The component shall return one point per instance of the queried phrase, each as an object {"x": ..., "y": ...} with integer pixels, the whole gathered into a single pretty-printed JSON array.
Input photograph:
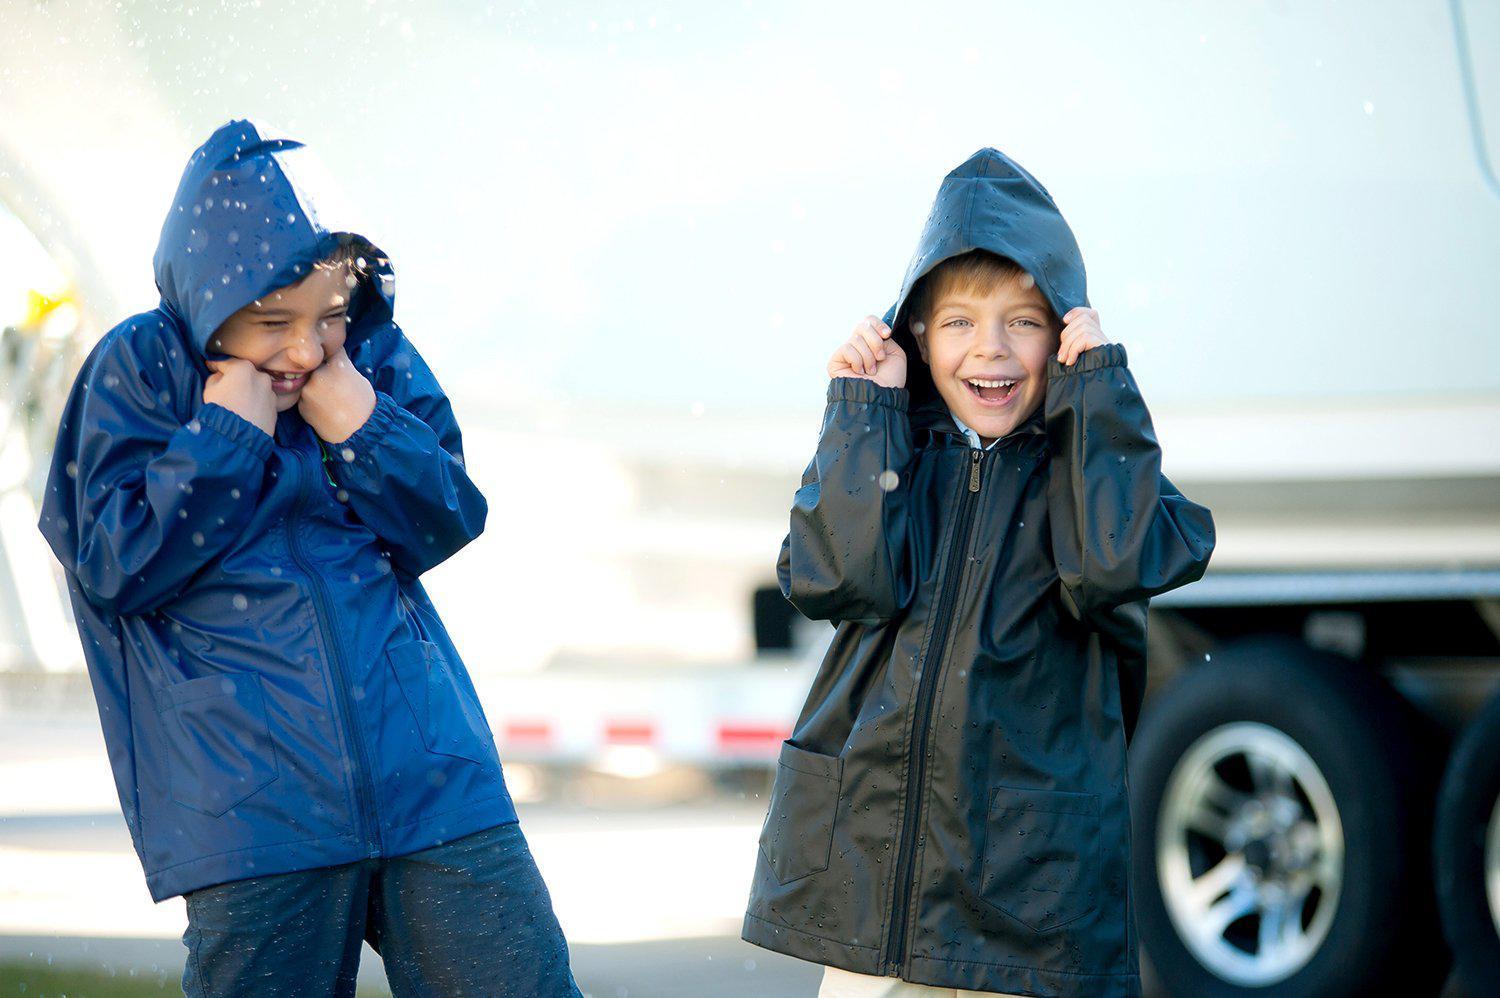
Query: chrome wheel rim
[{"x": 1250, "y": 853}]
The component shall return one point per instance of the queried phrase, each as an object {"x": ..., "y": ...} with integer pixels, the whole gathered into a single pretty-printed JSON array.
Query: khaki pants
[{"x": 846, "y": 984}]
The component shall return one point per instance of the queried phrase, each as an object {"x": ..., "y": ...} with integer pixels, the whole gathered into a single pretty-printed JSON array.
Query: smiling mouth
[
  {"x": 993, "y": 392},
  {"x": 281, "y": 381}
]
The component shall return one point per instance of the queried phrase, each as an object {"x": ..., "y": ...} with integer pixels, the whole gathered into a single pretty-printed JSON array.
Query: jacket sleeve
[
  {"x": 138, "y": 501},
  {"x": 404, "y": 467},
  {"x": 845, "y": 557},
  {"x": 1121, "y": 532}
]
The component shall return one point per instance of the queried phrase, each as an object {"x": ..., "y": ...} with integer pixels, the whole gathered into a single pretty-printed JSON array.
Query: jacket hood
[
  {"x": 243, "y": 223},
  {"x": 990, "y": 202}
]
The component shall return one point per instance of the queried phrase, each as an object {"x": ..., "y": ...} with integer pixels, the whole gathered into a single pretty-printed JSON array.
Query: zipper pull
[{"x": 974, "y": 456}]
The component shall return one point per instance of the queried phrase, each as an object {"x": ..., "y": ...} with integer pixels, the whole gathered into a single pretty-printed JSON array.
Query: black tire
[
  {"x": 1380, "y": 936},
  {"x": 1465, "y": 811}
]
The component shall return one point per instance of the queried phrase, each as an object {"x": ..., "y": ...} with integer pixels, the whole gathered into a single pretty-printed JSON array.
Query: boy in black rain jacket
[{"x": 984, "y": 520}]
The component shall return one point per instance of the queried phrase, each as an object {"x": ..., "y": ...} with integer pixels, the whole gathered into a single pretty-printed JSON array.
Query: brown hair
[
  {"x": 354, "y": 254},
  {"x": 977, "y": 271}
]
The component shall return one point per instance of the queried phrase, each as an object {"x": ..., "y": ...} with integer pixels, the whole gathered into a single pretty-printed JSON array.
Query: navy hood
[
  {"x": 244, "y": 223},
  {"x": 990, "y": 202}
]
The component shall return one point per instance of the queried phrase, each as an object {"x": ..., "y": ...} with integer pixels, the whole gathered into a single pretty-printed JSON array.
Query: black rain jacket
[{"x": 951, "y": 807}]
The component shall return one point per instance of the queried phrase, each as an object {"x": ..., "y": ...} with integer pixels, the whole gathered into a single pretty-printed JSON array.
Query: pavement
[
  {"x": 648, "y": 878},
  {"x": 72, "y": 893}
]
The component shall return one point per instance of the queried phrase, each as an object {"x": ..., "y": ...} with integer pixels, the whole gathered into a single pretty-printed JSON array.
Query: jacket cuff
[
  {"x": 228, "y": 423},
  {"x": 367, "y": 438},
  {"x": 845, "y": 389},
  {"x": 1103, "y": 355}
]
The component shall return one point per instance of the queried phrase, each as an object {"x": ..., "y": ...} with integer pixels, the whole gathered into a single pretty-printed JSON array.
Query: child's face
[
  {"x": 1004, "y": 335},
  {"x": 290, "y": 331}
]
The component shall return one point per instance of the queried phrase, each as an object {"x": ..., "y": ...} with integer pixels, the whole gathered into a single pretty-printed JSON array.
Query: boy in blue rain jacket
[
  {"x": 985, "y": 520},
  {"x": 247, "y": 484}
]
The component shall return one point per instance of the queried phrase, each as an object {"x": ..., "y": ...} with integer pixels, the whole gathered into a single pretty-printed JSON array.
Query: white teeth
[{"x": 981, "y": 383}]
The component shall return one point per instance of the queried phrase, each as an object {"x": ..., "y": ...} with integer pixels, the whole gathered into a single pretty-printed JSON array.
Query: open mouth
[
  {"x": 282, "y": 383},
  {"x": 993, "y": 392}
]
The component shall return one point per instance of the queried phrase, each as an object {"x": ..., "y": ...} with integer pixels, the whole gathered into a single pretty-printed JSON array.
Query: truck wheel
[
  {"x": 1466, "y": 850},
  {"x": 1279, "y": 842}
]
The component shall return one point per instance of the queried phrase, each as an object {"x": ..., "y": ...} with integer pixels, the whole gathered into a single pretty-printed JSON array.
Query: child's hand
[
  {"x": 1079, "y": 334},
  {"x": 337, "y": 399},
  {"x": 870, "y": 353},
  {"x": 244, "y": 389}
]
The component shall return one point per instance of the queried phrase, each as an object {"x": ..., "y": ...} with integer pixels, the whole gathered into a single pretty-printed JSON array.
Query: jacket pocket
[
  {"x": 218, "y": 746},
  {"x": 797, "y": 836},
  {"x": 446, "y": 713},
  {"x": 1041, "y": 855}
]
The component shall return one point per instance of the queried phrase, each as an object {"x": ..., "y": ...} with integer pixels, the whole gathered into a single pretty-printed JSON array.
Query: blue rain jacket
[{"x": 276, "y": 689}]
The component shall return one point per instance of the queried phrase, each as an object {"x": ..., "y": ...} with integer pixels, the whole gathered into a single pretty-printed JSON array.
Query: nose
[
  {"x": 306, "y": 349},
  {"x": 992, "y": 341}
]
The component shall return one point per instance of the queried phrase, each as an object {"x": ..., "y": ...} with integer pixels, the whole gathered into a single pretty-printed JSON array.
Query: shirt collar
[{"x": 971, "y": 434}]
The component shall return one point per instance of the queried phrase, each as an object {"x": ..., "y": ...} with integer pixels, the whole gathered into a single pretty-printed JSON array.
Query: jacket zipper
[
  {"x": 926, "y": 685},
  {"x": 370, "y": 830}
]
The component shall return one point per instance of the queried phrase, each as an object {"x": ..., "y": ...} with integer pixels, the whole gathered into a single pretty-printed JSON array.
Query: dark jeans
[{"x": 469, "y": 917}]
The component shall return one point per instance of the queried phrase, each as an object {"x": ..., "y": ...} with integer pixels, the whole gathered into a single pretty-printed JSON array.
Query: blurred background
[{"x": 626, "y": 239}]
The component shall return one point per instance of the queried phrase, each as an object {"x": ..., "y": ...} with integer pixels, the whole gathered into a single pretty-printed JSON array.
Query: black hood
[{"x": 989, "y": 202}]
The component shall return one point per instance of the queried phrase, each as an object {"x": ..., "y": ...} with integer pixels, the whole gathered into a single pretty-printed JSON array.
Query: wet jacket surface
[
  {"x": 277, "y": 691},
  {"x": 951, "y": 807}
]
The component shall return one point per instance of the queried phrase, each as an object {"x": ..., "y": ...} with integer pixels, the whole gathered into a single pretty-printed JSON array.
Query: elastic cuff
[
  {"x": 228, "y": 423},
  {"x": 847, "y": 389},
  {"x": 367, "y": 437},
  {"x": 1103, "y": 355}
]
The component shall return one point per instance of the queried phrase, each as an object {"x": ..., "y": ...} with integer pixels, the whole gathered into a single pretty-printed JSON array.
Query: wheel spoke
[
  {"x": 1204, "y": 817},
  {"x": 1267, "y": 774},
  {"x": 1220, "y": 794},
  {"x": 1224, "y": 875},
  {"x": 1277, "y": 926},
  {"x": 1239, "y": 902}
]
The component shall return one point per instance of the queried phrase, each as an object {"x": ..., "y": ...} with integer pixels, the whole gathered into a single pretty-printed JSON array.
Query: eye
[
  {"x": 955, "y": 322},
  {"x": 1031, "y": 322}
]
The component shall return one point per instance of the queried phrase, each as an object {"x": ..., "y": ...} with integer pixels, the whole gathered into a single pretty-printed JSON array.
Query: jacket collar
[{"x": 932, "y": 416}]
